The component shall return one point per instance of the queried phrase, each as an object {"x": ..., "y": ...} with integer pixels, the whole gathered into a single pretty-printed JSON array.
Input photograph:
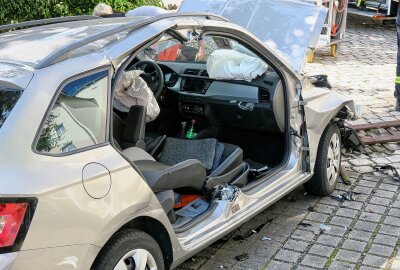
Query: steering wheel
[{"x": 153, "y": 76}]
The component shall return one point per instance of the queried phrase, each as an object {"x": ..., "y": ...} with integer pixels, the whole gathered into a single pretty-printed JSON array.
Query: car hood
[{"x": 287, "y": 27}]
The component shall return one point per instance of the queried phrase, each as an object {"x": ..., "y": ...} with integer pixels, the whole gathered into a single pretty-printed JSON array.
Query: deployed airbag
[
  {"x": 232, "y": 65},
  {"x": 131, "y": 90}
]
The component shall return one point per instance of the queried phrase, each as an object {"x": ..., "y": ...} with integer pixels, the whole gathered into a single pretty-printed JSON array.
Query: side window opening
[{"x": 79, "y": 116}]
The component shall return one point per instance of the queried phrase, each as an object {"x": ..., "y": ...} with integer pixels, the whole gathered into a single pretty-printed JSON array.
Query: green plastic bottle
[{"x": 191, "y": 134}]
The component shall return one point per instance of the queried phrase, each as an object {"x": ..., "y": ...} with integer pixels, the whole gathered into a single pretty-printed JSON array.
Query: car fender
[{"x": 321, "y": 106}]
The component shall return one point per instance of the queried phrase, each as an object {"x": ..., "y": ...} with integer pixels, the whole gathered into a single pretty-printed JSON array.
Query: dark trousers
[{"x": 397, "y": 87}]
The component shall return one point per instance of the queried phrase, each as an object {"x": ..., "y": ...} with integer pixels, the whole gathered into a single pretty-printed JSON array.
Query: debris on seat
[{"x": 183, "y": 200}]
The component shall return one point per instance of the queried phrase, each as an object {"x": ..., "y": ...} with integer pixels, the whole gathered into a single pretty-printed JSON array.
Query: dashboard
[{"x": 256, "y": 105}]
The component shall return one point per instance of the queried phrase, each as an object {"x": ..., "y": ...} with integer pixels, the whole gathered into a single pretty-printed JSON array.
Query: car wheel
[
  {"x": 130, "y": 249},
  {"x": 327, "y": 164}
]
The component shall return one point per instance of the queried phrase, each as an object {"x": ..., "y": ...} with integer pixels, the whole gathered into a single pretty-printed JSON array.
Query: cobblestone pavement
[{"x": 364, "y": 233}]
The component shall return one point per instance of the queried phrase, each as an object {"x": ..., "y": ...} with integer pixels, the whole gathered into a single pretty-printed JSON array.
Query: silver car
[{"x": 89, "y": 184}]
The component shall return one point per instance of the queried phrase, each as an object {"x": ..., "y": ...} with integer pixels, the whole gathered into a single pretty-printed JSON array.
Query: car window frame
[{"x": 78, "y": 76}]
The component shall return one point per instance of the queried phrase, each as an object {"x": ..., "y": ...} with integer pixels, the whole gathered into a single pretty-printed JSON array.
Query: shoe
[{"x": 397, "y": 108}]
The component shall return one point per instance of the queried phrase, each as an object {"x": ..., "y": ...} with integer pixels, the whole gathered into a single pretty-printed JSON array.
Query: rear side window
[
  {"x": 79, "y": 116},
  {"x": 8, "y": 98}
]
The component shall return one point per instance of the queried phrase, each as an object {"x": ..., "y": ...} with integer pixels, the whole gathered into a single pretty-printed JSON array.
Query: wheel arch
[
  {"x": 155, "y": 229},
  {"x": 152, "y": 227}
]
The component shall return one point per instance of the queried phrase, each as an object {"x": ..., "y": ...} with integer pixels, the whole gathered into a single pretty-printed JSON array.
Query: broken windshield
[{"x": 8, "y": 99}]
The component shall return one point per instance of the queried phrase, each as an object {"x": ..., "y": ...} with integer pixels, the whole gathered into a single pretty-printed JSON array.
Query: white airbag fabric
[
  {"x": 131, "y": 90},
  {"x": 232, "y": 65}
]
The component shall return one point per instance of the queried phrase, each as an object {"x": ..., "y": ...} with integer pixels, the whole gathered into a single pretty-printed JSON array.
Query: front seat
[{"x": 189, "y": 173}]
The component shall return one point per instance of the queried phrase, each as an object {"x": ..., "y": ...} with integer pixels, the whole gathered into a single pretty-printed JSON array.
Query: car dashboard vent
[
  {"x": 196, "y": 72},
  {"x": 263, "y": 95}
]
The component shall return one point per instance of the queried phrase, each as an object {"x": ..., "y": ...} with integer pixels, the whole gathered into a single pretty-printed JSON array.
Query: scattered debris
[
  {"x": 311, "y": 209},
  {"x": 252, "y": 232},
  {"x": 266, "y": 239},
  {"x": 395, "y": 173},
  {"x": 345, "y": 175},
  {"x": 242, "y": 257},
  {"x": 347, "y": 196},
  {"x": 324, "y": 228},
  {"x": 223, "y": 266},
  {"x": 304, "y": 224}
]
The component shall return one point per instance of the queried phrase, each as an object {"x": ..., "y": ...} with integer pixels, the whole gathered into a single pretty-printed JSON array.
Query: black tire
[
  {"x": 319, "y": 183},
  {"x": 123, "y": 242}
]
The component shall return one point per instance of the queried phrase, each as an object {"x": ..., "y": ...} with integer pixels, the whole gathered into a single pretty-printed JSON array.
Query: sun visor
[{"x": 287, "y": 27}]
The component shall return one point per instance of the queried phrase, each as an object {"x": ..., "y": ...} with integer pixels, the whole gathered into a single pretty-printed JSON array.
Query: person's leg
[{"x": 397, "y": 81}]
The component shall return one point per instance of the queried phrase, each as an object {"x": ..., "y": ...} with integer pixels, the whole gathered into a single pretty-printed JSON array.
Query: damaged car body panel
[{"x": 321, "y": 107}]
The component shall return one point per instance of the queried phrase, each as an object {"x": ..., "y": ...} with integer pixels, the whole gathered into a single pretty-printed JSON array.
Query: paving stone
[
  {"x": 318, "y": 217},
  {"x": 328, "y": 240},
  {"x": 346, "y": 212},
  {"x": 323, "y": 208},
  {"x": 296, "y": 245},
  {"x": 353, "y": 204},
  {"x": 360, "y": 235},
  {"x": 389, "y": 230},
  {"x": 394, "y": 212},
  {"x": 385, "y": 240},
  {"x": 303, "y": 235},
  {"x": 394, "y": 221},
  {"x": 363, "y": 190},
  {"x": 376, "y": 261},
  {"x": 388, "y": 187},
  {"x": 213, "y": 264},
  {"x": 338, "y": 265},
  {"x": 371, "y": 217},
  {"x": 365, "y": 226},
  {"x": 366, "y": 183},
  {"x": 354, "y": 245},
  {"x": 374, "y": 208},
  {"x": 341, "y": 221},
  {"x": 321, "y": 250},
  {"x": 348, "y": 256},
  {"x": 314, "y": 261},
  {"x": 336, "y": 231},
  {"x": 380, "y": 201},
  {"x": 276, "y": 265},
  {"x": 384, "y": 194},
  {"x": 380, "y": 250},
  {"x": 287, "y": 255}
]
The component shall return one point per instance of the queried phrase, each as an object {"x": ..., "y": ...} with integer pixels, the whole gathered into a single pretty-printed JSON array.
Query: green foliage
[{"x": 26, "y": 10}]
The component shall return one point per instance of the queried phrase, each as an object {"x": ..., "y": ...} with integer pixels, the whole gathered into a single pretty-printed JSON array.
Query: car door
[{"x": 87, "y": 182}]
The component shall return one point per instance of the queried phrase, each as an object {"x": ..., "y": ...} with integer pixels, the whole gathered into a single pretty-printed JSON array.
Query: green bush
[{"x": 26, "y": 10}]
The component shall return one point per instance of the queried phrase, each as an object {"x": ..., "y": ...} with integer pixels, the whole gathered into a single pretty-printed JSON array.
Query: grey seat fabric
[
  {"x": 189, "y": 174},
  {"x": 232, "y": 157}
]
